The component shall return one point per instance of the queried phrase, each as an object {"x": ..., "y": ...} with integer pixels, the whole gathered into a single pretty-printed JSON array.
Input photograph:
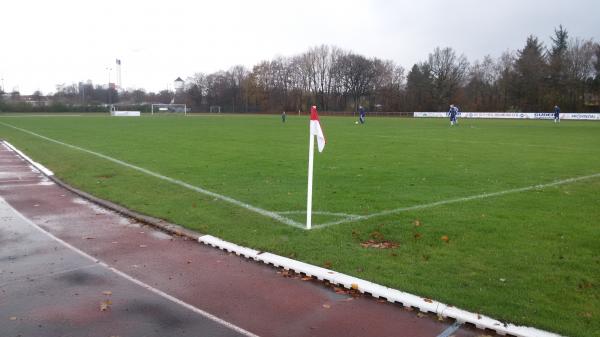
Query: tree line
[{"x": 534, "y": 78}]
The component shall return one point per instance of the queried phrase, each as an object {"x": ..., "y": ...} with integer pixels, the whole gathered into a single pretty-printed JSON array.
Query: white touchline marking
[
  {"x": 132, "y": 279},
  {"x": 230, "y": 200},
  {"x": 451, "y": 201}
]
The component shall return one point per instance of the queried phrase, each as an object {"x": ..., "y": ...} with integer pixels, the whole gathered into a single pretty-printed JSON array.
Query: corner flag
[{"x": 315, "y": 130}]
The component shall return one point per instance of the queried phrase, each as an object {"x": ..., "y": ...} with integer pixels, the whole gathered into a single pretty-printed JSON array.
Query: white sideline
[
  {"x": 469, "y": 198},
  {"x": 230, "y": 200},
  {"x": 131, "y": 278},
  {"x": 377, "y": 291}
]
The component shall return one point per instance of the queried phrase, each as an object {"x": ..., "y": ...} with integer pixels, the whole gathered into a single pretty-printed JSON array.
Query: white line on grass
[
  {"x": 225, "y": 198},
  {"x": 469, "y": 198},
  {"x": 131, "y": 278}
]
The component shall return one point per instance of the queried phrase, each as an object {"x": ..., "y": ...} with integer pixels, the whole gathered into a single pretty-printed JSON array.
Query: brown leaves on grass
[
  {"x": 327, "y": 264},
  {"x": 445, "y": 238},
  {"x": 378, "y": 241},
  {"x": 380, "y": 245}
]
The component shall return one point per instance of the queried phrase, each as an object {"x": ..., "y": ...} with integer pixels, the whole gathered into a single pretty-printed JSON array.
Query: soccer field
[{"x": 500, "y": 217}]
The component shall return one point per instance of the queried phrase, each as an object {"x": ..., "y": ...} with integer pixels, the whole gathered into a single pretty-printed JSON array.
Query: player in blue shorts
[
  {"x": 452, "y": 113},
  {"x": 556, "y": 114}
]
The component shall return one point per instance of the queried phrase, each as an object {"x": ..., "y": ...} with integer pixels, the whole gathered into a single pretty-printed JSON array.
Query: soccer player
[
  {"x": 283, "y": 117},
  {"x": 361, "y": 114},
  {"x": 556, "y": 114},
  {"x": 452, "y": 113}
]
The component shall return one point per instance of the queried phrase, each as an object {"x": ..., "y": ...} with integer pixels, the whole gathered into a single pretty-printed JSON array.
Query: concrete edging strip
[{"x": 347, "y": 281}]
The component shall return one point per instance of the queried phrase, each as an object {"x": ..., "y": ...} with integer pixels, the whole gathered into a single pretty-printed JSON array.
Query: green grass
[{"x": 530, "y": 258}]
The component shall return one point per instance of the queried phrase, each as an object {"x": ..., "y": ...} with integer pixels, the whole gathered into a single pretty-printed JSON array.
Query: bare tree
[{"x": 448, "y": 72}]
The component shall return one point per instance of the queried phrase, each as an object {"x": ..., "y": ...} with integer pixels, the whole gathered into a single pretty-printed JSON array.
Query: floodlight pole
[{"x": 108, "y": 86}]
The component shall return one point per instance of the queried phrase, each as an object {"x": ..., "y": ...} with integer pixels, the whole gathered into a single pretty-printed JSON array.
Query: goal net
[{"x": 169, "y": 109}]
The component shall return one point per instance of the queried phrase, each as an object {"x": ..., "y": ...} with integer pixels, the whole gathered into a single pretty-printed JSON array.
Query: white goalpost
[{"x": 171, "y": 108}]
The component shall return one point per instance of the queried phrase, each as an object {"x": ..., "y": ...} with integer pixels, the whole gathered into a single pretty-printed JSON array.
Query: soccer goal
[
  {"x": 215, "y": 109},
  {"x": 169, "y": 109}
]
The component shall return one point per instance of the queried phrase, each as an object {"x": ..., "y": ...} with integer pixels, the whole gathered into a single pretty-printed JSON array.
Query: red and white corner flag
[
  {"x": 315, "y": 131},
  {"x": 315, "y": 128}
]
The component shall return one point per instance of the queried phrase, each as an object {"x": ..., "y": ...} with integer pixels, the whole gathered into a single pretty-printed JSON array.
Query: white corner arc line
[
  {"x": 230, "y": 200},
  {"x": 134, "y": 280},
  {"x": 469, "y": 198}
]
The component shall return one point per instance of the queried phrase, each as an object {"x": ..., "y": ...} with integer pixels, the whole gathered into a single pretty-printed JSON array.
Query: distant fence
[{"x": 513, "y": 115}]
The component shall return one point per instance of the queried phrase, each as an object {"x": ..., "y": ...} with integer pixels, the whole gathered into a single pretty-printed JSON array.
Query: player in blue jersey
[
  {"x": 452, "y": 113},
  {"x": 361, "y": 114},
  {"x": 556, "y": 114}
]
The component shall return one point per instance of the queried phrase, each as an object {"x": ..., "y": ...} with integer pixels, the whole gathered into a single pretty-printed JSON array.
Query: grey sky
[{"x": 65, "y": 41}]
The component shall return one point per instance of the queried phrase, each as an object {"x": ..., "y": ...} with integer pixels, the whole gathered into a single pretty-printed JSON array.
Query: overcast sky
[{"x": 44, "y": 43}]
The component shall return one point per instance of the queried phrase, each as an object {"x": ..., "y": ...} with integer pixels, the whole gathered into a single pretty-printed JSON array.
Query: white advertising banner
[
  {"x": 125, "y": 113},
  {"x": 513, "y": 115}
]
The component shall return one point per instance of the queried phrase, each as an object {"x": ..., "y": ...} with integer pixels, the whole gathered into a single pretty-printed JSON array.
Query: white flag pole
[{"x": 311, "y": 153}]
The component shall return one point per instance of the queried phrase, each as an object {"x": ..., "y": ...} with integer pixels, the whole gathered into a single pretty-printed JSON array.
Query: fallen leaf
[
  {"x": 143, "y": 246},
  {"x": 428, "y": 300},
  {"x": 417, "y": 223},
  {"x": 381, "y": 301},
  {"x": 417, "y": 235},
  {"x": 327, "y": 264},
  {"x": 445, "y": 238},
  {"x": 107, "y": 292},
  {"x": 379, "y": 244},
  {"x": 306, "y": 278},
  {"x": 89, "y": 238},
  {"x": 420, "y": 315},
  {"x": 13, "y": 318},
  {"x": 189, "y": 261},
  {"x": 354, "y": 286},
  {"x": 440, "y": 318},
  {"x": 105, "y": 305},
  {"x": 326, "y": 306}
]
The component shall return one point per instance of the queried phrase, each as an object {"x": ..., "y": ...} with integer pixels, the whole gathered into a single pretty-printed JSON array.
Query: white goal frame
[{"x": 168, "y": 108}]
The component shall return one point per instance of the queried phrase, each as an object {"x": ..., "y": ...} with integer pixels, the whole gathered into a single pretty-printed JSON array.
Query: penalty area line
[
  {"x": 456, "y": 200},
  {"x": 201, "y": 190}
]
